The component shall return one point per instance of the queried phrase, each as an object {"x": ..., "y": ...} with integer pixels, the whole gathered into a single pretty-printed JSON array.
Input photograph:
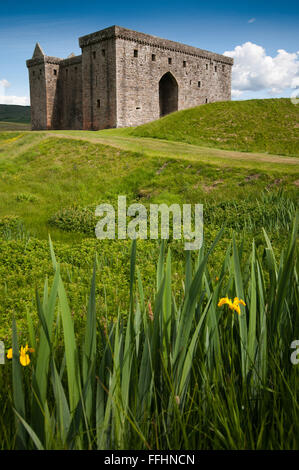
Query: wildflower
[
  {"x": 232, "y": 305},
  {"x": 24, "y": 356},
  {"x": 9, "y": 354}
]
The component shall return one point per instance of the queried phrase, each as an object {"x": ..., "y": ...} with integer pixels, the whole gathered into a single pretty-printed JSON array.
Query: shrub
[{"x": 75, "y": 219}]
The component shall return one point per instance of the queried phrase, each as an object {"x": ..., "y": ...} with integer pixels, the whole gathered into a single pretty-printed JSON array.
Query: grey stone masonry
[{"x": 123, "y": 78}]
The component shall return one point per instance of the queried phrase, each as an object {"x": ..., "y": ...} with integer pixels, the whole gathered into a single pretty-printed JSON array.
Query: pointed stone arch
[{"x": 168, "y": 94}]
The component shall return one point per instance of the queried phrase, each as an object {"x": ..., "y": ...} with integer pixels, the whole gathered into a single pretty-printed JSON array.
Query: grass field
[
  {"x": 174, "y": 370},
  {"x": 269, "y": 126},
  {"x": 15, "y": 113}
]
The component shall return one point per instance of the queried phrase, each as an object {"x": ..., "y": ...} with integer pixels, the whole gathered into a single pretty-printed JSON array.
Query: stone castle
[{"x": 123, "y": 78}]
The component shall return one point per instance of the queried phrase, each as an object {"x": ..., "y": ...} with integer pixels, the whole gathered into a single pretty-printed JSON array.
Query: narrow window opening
[
  {"x": 184, "y": 63},
  {"x": 135, "y": 53},
  {"x": 215, "y": 68},
  {"x": 154, "y": 57},
  {"x": 76, "y": 69},
  {"x": 55, "y": 72},
  {"x": 138, "y": 107},
  {"x": 94, "y": 54},
  {"x": 98, "y": 103},
  {"x": 169, "y": 60},
  {"x": 40, "y": 71},
  {"x": 103, "y": 52},
  {"x": 206, "y": 100},
  {"x": 199, "y": 84},
  {"x": 223, "y": 68},
  {"x": 207, "y": 66}
]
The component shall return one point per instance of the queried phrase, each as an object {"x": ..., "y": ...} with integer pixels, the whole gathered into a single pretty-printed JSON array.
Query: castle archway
[{"x": 168, "y": 94}]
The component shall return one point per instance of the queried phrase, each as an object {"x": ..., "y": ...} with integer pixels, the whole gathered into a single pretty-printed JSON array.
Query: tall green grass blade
[
  {"x": 18, "y": 392},
  {"x": 89, "y": 348},
  {"x": 242, "y": 316},
  {"x": 31, "y": 432},
  {"x": 251, "y": 349}
]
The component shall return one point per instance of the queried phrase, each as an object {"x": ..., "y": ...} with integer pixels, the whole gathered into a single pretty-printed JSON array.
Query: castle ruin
[{"x": 123, "y": 78}]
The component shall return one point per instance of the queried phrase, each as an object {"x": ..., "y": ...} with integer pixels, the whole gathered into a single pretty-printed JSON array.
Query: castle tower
[
  {"x": 43, "y": 79},
  {"x": 99, "y": 79}
]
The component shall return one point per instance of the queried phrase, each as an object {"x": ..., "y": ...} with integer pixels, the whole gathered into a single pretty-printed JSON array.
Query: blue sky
[{"x": 250, "y": 31}]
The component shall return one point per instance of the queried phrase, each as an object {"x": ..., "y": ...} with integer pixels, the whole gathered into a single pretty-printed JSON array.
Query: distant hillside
[
  {"x": 14, "y": 113},
  {"x": 270, "y": 126}
]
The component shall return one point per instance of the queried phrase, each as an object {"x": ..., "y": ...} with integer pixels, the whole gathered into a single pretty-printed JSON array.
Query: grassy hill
[
  {"x": 270, "y": 126},
  {"x": 14, "y": 113}
]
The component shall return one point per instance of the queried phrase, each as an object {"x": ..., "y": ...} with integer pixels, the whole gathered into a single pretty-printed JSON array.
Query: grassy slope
[
  {"x": 14, "y": 113},
  {"x": 41, "y": 175},
  {"x": 270, "y": 126},
  {"x": 61, "y": 172}
]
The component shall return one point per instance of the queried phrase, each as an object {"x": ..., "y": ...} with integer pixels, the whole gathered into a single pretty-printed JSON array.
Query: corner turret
[{"x": 43, "y": 77}]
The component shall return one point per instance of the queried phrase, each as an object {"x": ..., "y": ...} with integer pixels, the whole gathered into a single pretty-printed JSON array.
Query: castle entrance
[{"x": 168, "y": 94}]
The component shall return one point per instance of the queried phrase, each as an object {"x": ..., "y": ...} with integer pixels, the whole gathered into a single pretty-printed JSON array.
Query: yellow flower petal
[
  {"x": 237, "y": 309},
  {"x": 223, "y": 301},
  {"x": 24, "y": 359},
  {"x": 9, "y": 354}
]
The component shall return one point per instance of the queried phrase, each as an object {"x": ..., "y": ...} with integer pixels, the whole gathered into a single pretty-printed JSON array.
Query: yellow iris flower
[
  {"x": 232, "y": 305},
  {"x": 24, "y": 356},
  {"x": 9, "y": 354}
]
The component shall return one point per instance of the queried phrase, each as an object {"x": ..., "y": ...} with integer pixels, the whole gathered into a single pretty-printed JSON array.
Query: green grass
[
  {"x": 14, "y": 126},
  {"x": 15, "y": 113},
  {"x": 44, "y": 175},
  {"x": 270, "y": 126},
  {"x": 51, "y": 184},
  {"x": 178, "y": 374},
  {"x": 241, "y": 389}
]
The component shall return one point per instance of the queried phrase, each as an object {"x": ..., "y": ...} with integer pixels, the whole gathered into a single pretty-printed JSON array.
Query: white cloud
[
  {"x": 254, "y": 70},
  {"x": 21, "y": 100},
  {"x": 5, "y": 99},
  {"x": 236, "y": 93},
  {"x": 4, "y": 83},
  {"x": 252, "y": 20}
]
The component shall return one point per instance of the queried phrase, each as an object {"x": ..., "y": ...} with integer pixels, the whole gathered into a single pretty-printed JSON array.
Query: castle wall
[
  {"x": 99, "y": 81},
  {"x": 69, "y": 96},
  {"x": 143, "y": 60},
  {"x": 52, "y": 73}
]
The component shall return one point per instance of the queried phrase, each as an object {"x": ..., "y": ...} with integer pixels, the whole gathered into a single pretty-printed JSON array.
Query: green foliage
[
  {"x": 75, "y": 219},
  {"x": 9, "y": 222},
  {"x": 142, "y": 357},
  {"x": 174, "y": 368},
  {"x": 27, "y": 197},
  {"x": 273, "y": 211}
]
